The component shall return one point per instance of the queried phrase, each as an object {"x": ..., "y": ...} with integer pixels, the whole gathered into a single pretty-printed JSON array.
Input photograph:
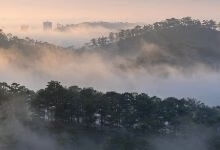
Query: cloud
[{"x": 152, "y": 70}]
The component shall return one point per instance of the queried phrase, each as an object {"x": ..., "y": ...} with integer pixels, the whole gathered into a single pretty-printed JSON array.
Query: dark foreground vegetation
[{"x": 127, "y": 121}]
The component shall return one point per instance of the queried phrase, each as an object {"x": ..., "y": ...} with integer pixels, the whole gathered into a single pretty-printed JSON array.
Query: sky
[{"x": 107, "y": 10}]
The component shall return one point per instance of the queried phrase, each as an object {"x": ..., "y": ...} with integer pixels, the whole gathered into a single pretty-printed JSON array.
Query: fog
[
  {"x": 77, "y": 36},
  {"x": 18, "y": 132},
  {"x": 34, "y": 68},
  {"x": 14, "y": 134},
  {"x": 173, "y": 58},
  {"x": 192, "y": 139},
  {"x": 188, "y": 67}
]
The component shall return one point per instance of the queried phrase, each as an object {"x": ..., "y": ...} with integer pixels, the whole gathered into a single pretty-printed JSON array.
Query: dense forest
[
  {"x": 123, "y": 121},
  {"x": 160, "y": 32},
  {"x": 177, "y": 43}
]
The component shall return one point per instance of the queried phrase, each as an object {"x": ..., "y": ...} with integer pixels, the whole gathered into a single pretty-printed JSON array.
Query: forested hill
[
  {"x": 93, "y": 109},
  {"x": 9, "y": 41},
  {"x": 177, "y": 43},
  {"x": 169, "y": 32},
  {"x": 113, "y": 121}
]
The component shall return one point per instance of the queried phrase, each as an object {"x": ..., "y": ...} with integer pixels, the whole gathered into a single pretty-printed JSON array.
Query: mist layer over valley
[
  {"x": 170, "y": 58},
  {"x": 110, "y": 75},
  {"x": 65, "y": 35}
]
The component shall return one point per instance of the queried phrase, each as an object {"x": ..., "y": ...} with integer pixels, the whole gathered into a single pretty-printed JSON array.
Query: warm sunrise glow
[{"x": 114, "y": 10}]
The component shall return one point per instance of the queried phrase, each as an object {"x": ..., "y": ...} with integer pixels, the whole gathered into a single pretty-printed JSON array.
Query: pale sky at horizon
[{"x": 107, "y": 10}]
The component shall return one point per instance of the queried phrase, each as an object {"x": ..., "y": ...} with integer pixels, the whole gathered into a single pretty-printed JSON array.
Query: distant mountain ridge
[
  {"x": 180, "y": 44},
  {"x": 107, "y": 25}
]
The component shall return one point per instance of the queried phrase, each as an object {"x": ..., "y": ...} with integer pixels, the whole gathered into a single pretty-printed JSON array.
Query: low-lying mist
[
  {"x": 15, "y": 134},
  {"x": 104, "y": 71},
  {"x": 18, "y": 131},
  {"x": 75, "y": 37},
  {"x": 22, "y": 129},
  {"x": 69, "y": 35},
  {"x": 175, "y": 57}
]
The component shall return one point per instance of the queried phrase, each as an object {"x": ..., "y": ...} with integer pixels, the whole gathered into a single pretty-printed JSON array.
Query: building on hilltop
[{"x": 47, "y": 26}]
